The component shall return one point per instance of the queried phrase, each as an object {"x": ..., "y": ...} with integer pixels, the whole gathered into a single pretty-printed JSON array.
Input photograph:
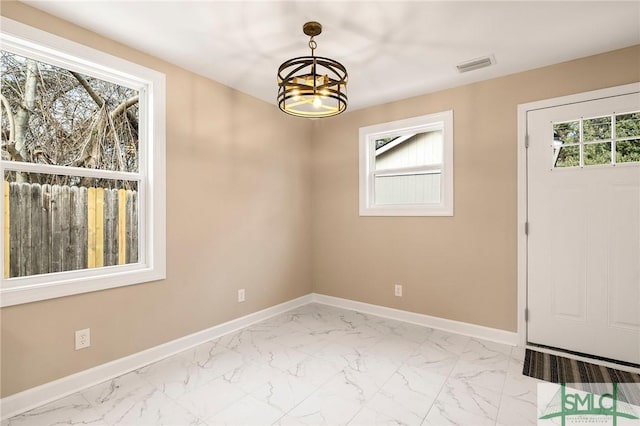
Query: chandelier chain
[{"x": 312, "y": 45}]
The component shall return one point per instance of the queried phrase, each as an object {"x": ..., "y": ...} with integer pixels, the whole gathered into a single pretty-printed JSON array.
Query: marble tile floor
[{"x": 315, "y": 365}]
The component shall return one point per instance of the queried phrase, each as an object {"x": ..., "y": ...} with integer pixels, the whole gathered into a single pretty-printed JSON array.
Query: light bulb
[
  {"x": 317, "y": 102},
  {"x": 296, "y": 94}
]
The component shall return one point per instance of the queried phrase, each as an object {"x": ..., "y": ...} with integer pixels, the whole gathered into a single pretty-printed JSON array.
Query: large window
[
  {"x": 82, "y": 159},
  {"x": 406, "y": 167}
]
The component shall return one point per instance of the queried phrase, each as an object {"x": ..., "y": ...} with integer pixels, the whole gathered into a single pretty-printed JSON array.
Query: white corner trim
[
  {"x": 40, "y": 395},
  {"x": 464, "y": 328},
  {"x": 522, "y": 198}
]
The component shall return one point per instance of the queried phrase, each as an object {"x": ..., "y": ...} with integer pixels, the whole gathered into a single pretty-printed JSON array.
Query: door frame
[{"x": 522, "y": 185}]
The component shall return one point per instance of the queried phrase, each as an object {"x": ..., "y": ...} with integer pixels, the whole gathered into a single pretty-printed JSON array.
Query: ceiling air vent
[{"x": 475, "y": 64}]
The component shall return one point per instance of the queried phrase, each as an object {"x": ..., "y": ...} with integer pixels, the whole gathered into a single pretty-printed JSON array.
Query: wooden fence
[{"x": 53, "y": 228}]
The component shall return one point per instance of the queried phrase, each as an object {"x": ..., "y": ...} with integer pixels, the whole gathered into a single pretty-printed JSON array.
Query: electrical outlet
[
  {"x": 83, "y": 338},
  {"x": 241, "y": 295},
  {"x": 398, "y": 290}
]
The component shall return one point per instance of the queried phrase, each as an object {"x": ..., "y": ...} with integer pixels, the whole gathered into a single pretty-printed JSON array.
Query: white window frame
[
  {"x": 368, "y": 135},
  {"x": 31, "y": 42}
]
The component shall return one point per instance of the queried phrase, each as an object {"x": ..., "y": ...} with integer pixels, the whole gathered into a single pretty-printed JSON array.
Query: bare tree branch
[
  {"x": 12, "y": 121},
  {"x": 124, "y": 105},
  {"x": 41, "y": 154},
  {"x": 96, "y": 98},
  {"x": 116, "y": 138},
  {"x": 13, "y": 152},
  {"x": 60, "y": 123},
  {"x": 88, "y": 152}
]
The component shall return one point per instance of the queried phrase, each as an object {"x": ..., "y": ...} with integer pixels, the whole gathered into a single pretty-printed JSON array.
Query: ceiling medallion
[{"x": 312, "y": 86}]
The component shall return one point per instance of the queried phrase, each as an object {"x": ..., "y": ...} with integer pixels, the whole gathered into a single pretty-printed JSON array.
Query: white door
[{"x": 583, "y": 182}]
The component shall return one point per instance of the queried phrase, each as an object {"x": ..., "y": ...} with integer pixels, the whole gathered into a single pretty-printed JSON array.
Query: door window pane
[
  {"x": 628, "y": 151},
  {"x": 566, "y": 133},
  {"x": 569, "y": 156},
  {"x": 597, "y": 153},
  {"x": 628, "y": 125},
  {"x": 597, "y": 129}
]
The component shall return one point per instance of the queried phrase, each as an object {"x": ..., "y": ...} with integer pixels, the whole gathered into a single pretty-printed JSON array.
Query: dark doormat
[{"x": 587, "y": 376}]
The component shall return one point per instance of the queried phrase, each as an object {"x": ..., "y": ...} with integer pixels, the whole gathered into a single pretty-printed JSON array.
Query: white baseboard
[
  {"x": 467, "y": 329},
  {"x": 40, "y": 395}
]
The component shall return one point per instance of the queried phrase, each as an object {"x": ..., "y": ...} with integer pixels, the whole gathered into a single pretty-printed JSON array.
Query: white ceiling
[{"x": 392, "y": 49}]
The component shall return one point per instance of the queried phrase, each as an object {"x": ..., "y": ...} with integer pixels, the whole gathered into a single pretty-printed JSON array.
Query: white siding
[
  {"x": 408, "y": 189},
  {"x": 422, "y": 149},
  {"x": 417, "y": 188}
]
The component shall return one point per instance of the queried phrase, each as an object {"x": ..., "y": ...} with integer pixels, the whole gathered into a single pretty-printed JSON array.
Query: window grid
[{"x": 613, "y": 140}]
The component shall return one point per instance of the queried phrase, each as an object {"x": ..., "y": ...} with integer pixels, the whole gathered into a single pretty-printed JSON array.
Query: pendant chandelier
[{"x": 312, "y": 86}]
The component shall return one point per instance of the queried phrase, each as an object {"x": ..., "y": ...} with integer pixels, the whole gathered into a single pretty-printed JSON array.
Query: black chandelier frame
[{"x": 312, "y": 81}]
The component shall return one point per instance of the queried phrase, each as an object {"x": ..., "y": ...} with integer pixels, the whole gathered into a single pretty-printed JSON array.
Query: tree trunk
[{"x": 24, "y": 111}]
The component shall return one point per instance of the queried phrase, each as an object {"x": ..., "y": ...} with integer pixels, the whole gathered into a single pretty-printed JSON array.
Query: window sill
[
  {"x": 409, "y": 210},
  {"x": 33, "y": 289}
]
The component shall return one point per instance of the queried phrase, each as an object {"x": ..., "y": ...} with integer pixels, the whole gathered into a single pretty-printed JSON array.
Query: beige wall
[
  {"x": 462, "y": 267},
  {"x": 237, "y": 217}
]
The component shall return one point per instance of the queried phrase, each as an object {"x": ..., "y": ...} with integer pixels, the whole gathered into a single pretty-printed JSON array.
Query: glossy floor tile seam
[
  {"x": 310, "y": 395},
  {"x": 380, "y": 389}
]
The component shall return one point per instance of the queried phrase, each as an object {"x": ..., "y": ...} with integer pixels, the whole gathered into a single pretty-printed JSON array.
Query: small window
[
  {"x": 597, "y": 141},
  {"x": 82, "y": 162},
  {"x": 406, "y": 167}
]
